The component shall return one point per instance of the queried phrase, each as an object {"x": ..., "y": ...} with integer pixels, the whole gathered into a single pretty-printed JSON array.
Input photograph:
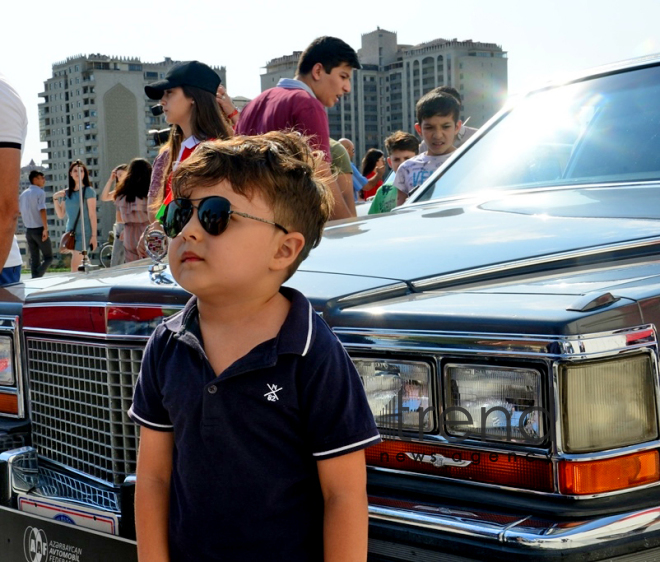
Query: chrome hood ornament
[{"x": 156, "y": 244}]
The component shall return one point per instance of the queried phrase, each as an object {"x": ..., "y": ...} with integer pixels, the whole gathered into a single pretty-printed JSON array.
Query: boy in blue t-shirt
[
  {"x": 253, "y": 418},
  {"x": 438, "y": 124}
]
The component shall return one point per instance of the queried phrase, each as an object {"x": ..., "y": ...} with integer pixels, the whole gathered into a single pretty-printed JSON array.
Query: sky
[{"x": 544, "y": 39}]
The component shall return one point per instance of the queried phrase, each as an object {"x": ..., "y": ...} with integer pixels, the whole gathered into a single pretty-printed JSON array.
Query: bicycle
[{"x": 105, "y": 254}]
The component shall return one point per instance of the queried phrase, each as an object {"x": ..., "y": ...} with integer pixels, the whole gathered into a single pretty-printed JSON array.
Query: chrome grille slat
[{"x": 80, "y": 393}]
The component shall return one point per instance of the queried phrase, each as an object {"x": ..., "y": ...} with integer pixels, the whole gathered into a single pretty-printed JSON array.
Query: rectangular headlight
[
  {"x": 606, "y": 404},
  {"x": 6, "y": 361},
  {"x": 399, "y": 393},
  {"x": 502, "y": 403}
]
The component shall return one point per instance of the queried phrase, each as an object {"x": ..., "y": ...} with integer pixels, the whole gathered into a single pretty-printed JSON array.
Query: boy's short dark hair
[
  {"x": 34, "y": 174},
  {"x": 448, "y": 90},
  {"x": 435, "y": 103},
  {"x": 280, "y": 166},
  {"x": 330, "y": 52},
  {"x": 400, "y": 140}
]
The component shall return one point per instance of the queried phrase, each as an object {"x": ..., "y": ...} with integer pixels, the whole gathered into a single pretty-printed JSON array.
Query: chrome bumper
[
  {"x": 25, "y": 475},
  {"x": 529, "y": 534}
]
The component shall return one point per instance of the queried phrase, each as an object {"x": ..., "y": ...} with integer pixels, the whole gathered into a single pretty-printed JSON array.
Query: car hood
[
  {"x": 387, "y": 256},
  {"x": 439, "y": 239}
]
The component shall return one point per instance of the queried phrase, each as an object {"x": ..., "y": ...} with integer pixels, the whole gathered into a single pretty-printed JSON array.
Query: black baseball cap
[{"x": 191, "y": 73}]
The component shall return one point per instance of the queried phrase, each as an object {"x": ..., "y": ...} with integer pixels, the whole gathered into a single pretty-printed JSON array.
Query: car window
[{"x": 601, "y": 130}]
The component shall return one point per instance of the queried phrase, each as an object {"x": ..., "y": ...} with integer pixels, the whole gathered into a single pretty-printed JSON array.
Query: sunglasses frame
[{"x": 201, "y": 200}]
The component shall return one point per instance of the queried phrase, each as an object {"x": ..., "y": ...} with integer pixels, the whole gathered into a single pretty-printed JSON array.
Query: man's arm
[
  {"x": 345, "y": 183},
  {"x": 152, "y": 494},
  {"x": 346, "y": 515},
  {"x": 10, "y": 171},
  {"x": 44, "y": 221},
  {"x": 339, "y": 209}
]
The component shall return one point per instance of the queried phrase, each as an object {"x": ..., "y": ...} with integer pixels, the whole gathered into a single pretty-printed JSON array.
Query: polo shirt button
[{"x": 212, "y": 389}]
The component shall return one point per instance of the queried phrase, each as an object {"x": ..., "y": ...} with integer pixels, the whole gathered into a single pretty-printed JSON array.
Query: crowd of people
[
  {"x": 198, "y": 109},
  {"x": 246, "y": 397}
]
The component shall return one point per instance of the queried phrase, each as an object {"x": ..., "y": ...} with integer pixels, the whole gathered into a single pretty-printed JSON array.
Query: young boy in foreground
[
  {"x": 400, "y": 147},
  {"x": 253, "y": 417},
  {"x": 437, "y": 123}
]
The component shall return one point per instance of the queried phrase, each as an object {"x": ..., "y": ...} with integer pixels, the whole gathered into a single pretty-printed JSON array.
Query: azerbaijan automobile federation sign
[{"x": 29, "y": 538}]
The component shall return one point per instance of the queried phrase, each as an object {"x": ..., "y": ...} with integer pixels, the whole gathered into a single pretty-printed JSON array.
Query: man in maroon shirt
[{"x": 323, "y": 75}]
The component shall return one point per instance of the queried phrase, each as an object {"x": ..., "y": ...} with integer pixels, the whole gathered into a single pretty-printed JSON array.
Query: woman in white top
[{"x": 188, "y": 97}]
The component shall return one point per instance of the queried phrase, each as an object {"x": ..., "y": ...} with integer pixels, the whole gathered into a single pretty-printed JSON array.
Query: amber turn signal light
[
  {"x": 8, "y": 404},
  {"x": 608, "y": 475}
]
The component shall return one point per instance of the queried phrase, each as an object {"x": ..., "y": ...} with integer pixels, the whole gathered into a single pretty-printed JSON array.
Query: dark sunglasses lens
[
  {"x": 177, "y": 214},
  {"x": 213, "y": 214}
]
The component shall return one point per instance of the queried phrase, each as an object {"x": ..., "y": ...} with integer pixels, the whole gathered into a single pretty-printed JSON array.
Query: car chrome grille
[
  {"x": 54, "y": 484},
  {"x": 80, "y": 393}
]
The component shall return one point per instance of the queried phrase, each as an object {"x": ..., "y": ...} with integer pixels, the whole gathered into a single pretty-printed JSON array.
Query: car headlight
[
  {"x": 607, "y": 404},
  {"x": 6, "y": 361},
  {"x": 503, "y": 403},
  {"x": 399, "y": 393}
]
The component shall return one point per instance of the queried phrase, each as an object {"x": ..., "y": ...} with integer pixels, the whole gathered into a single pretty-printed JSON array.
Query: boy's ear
[
  {"x": 316, "y": 71},
  {"x": 389, "y": 162},
  {"x": 418, "y": 128},
  {"x": 288, "y": 251},
  {"x": 459, "y": 124}
]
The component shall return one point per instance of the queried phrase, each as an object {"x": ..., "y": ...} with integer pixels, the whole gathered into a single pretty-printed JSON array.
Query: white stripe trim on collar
[
  {"x": 323, "y": 453},
  {"x": 309, "y": 331}
]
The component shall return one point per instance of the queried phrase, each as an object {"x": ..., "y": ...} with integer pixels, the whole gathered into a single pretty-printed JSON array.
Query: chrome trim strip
[
  {"x": 566, "y": 348},
  {"x": 88, "y": 304},
  {"x": 382, "y": 292},
  {"x": 93, "y": 335},
  {"x": 465, "y": 276},
  {"x": 596, "y": 533},
  {"x": 60, "y": 304},
  {"x": 10, "y": 324},
  {"x": 440, "y": 523}
]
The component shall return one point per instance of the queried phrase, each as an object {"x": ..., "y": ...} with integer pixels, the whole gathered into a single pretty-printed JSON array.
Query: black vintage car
[{"x": 504, "y": 323}]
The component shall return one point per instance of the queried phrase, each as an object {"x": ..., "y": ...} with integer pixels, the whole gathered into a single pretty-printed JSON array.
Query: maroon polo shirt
[{"x": 282, "y": 109}]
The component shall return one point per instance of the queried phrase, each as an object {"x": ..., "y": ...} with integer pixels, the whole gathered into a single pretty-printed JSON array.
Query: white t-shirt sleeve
[
  {"x": 401, "y": 179},
  {"x": 13, "y": 117},
  {"x": 13, "y": 129}
]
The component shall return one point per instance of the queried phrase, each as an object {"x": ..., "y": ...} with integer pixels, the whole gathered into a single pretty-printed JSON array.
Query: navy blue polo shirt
[{"x": 244, "y": 483}]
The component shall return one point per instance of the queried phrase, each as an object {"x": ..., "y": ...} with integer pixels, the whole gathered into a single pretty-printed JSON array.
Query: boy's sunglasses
[{"x": 213, "y": 214}]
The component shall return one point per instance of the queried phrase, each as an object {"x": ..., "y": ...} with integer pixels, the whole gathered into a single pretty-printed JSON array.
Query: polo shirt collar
[
  {"x": 293, "y": 84},
  {"x": 295, "y": 336}
]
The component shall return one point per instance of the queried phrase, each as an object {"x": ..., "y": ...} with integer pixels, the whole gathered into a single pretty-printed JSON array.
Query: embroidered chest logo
[{"x": 273, "y": 389}]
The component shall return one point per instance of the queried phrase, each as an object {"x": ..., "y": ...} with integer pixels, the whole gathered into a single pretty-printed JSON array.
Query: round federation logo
[{"x": 35, "y": 545}]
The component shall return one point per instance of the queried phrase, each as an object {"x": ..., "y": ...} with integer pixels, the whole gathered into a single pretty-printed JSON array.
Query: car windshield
[{"x": 601, "y": 130}]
